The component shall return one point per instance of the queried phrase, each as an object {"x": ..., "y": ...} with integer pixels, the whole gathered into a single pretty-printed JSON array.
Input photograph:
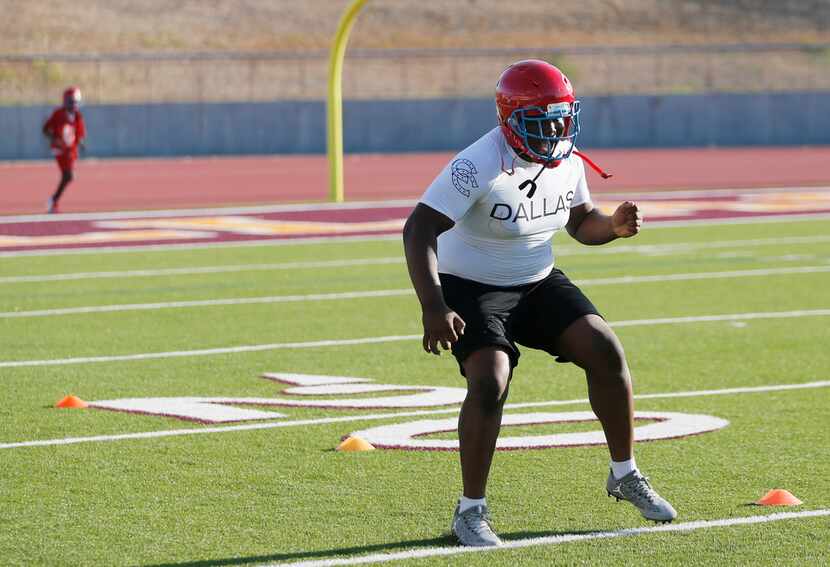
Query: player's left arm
[{"x": 589, "y": 225}]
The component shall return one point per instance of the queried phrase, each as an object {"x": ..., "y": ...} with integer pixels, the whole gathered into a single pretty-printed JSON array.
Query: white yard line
[
  {"x": 390, "y": 338},
  {"x": 206, "y": 303},
  {"x": 375, "y": 417},
  {"x": 204, "y": 270},
  {"x": 379, "y": 237},
  {"x": 715, "y": 318},
  {"x": 391, "y": 292},
  {"x": 209, "y": 351},
  {"x": 561, "y": 250},
  {"x": 705, "y": 275},
  {"x": 424, "y": 552}
]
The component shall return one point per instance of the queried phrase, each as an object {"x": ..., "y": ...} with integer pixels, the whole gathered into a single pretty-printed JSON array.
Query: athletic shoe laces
[
  {"x": 477, "y": 522},
  {"x": 640, "y": 487}
]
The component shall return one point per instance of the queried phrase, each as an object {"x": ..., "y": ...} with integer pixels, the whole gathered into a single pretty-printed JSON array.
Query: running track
[{"x": 142, "y": 184}]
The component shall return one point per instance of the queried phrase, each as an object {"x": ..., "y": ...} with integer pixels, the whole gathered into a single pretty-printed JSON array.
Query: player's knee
[
  {"x": 495, "y": 393},
  {"x": 488, "y": 372},
  {"x": 68, "y": 176},
  {"x": 489, "y": 391},
  {"x": 607, "y": 354}
]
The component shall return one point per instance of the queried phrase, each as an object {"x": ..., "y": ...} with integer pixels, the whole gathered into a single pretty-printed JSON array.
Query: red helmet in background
[
  {"x": 537, "y": 110},
  {"x": 72, "y": 98}
]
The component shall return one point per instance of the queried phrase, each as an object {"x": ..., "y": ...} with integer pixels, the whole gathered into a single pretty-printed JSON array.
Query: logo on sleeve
[{"x": 463, "y": 176}]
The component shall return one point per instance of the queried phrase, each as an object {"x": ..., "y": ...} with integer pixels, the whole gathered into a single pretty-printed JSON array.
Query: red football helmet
[
  {"x": 72, "y": 98},
  {"x": 537, "y": 111}
]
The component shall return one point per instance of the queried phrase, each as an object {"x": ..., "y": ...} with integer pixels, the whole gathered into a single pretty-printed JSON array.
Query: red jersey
[{"x": 67, "y": 130}]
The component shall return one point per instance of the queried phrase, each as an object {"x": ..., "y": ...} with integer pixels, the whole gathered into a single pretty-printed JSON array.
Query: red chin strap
[
  {"x": 555, "y": 163},
  {"x": 594, "y": 166}
]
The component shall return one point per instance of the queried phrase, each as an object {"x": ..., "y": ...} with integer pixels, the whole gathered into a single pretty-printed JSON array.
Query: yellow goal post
[{"x": 334, "y": 108}]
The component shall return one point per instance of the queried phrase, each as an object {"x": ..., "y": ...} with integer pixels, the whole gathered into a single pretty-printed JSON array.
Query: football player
[
  {"x": 66, "y": 132},
  {"x": 478, "y": 249}
]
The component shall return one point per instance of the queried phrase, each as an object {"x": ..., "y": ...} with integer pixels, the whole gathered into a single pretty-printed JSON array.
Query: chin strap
[
  {"x": 594, "y": 166},
  {"x": 532, "y": 182}
]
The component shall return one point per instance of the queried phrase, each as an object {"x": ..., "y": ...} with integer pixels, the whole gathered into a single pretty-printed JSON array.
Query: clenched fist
[{"x": 627, "y": 220}]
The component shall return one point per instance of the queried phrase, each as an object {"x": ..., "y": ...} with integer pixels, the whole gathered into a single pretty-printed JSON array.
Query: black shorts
[{"x": 532, "y": 315}]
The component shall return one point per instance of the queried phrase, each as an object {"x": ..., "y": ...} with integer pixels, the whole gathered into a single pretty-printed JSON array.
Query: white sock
[
  {"x": 467, "y": 503},
  {"x": 623, "y": 467}
]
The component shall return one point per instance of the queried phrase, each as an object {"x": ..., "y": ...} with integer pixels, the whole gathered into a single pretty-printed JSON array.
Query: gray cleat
[
  {"x": 636, "y": 489},
  {"x": 473, "y": 528}
]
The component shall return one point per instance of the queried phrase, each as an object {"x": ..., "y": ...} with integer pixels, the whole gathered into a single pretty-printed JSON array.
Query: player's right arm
[
  {"x": 442, "y": 325},
  {"x": 49, "y": 128},
  {"x": 81, "y": 132},
  {"x": 461, "y": 183}
]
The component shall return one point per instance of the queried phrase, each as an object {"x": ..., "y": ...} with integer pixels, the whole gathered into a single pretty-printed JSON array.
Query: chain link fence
[{"x": 409, "y": 73}]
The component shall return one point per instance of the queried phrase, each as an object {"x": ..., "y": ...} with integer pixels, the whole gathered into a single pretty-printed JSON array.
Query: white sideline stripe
[
  {"x": 204, "y": 270},
  {"x": 206, "y": 303},
  {"x": 391, "y": 203},
  {"x": 393, "y": 292},
  {"x": 370, "y": 238},
  {"x": 690, "y": 246},
  {"x": 760, "y": 219},
  {"x": 560, "y": 250},
  {"x": 375, "y": 417},
  {"x": 268, "y": 242},
  {"x": 251, "y": 209},
  {"x": 421, "y": 553},
  {"x": 391, "y": 338}
]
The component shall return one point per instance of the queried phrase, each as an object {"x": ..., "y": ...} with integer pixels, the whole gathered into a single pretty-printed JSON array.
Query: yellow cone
[{"x": 355, "y": 444}]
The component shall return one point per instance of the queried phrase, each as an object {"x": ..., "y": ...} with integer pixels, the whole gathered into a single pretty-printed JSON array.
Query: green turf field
[{"x": 281, "y": 494}]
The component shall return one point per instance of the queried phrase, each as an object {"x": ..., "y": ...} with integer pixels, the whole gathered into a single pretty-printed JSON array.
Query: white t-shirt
[{"x": 502, "y": 235}]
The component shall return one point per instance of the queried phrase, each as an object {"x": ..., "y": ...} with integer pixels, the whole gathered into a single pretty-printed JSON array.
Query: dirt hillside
[{"x": 107, "y": 26}]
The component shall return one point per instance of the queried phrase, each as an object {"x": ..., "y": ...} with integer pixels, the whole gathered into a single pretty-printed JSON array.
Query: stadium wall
[{"x": 292, "y": 127}]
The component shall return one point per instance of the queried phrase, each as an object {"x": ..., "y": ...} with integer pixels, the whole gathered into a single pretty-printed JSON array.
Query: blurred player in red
[{"x": 66, "y": 132}]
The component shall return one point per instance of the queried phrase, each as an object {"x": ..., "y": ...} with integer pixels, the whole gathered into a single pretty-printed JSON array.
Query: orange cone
[
  {"x": 355, "y": 444},
  {"x": 778, "y": 497},
  {"x": 71, "y": 401}
]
